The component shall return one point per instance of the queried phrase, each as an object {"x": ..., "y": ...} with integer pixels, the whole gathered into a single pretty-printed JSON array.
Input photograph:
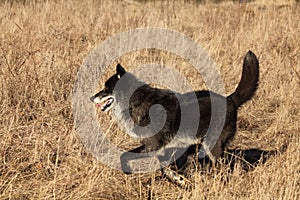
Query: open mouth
[{"x": 106, "y": 103}]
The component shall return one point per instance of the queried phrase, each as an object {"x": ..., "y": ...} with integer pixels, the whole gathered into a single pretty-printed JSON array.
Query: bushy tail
[{"x": 249, "y": 80}]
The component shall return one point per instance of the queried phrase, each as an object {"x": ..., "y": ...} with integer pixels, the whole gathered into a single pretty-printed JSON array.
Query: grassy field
[{"x": 44, "y": 43}]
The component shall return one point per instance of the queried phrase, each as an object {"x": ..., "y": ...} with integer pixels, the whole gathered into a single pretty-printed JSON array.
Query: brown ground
[{"x": 43, "y": 44}]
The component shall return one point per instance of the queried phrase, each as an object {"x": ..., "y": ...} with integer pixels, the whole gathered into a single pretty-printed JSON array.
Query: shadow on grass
[{"x": 248, "y": 159}]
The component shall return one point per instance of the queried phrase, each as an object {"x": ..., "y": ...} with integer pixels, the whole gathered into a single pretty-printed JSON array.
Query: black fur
[{"x": 145, "y": 96}]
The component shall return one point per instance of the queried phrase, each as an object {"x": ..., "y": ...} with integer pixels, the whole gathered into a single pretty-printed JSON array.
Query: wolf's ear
[{"x": 120, "y": 70}]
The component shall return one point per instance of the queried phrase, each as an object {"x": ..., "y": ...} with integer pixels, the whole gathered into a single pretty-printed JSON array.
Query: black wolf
[{"x": 137, "y": 108}]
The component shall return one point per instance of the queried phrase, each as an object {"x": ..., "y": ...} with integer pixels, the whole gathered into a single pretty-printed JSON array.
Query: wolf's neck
[{"x": 128, "y": 85}]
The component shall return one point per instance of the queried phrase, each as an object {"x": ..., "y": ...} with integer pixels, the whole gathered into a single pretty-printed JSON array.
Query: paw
[
  {"x": 176, "y": 178},
  {"x": 126, "y": 169}
]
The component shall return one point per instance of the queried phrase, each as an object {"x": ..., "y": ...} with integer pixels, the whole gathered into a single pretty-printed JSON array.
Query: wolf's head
[{"x": 105, "y": 98}]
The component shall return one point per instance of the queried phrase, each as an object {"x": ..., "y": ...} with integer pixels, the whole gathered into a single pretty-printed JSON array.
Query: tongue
[{"x": 98, "y": 105}]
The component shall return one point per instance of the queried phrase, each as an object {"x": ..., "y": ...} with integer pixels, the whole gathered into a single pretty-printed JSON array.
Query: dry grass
[{"x": 43, "y": 44}]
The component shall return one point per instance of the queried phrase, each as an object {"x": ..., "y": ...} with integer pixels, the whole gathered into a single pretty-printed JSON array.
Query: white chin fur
[
  {"x": 102, "y": 101},
  {"x": 97, "y": 100}
]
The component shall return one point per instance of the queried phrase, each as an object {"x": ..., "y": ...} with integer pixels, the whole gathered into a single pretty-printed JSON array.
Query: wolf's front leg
[{"x": 131, "y": 155}]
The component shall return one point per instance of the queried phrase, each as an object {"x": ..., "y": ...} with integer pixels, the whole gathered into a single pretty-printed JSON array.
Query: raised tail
[{"x": 249, "y": 81}]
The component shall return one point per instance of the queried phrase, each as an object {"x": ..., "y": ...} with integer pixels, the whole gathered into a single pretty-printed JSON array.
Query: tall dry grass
[{"x": 44, "y": 43}]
